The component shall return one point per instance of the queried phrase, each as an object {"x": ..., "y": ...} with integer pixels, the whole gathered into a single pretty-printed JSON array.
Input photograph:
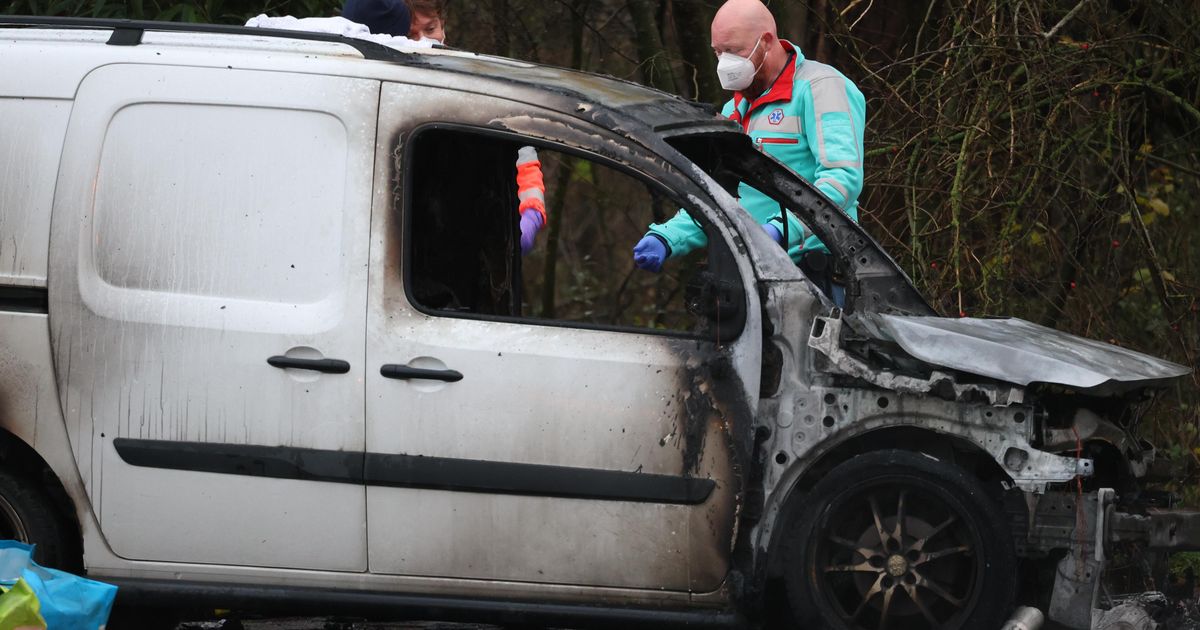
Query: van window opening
[{"x": 463, "y": 256}]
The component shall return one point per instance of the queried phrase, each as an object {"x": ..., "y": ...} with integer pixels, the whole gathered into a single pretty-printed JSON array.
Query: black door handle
[
  {"x": 328, "y": 366},
  {"x": 403, "y": 372}
]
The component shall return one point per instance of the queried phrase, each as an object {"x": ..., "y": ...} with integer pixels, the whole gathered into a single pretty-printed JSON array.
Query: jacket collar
[{"x": 780, "y": 90}]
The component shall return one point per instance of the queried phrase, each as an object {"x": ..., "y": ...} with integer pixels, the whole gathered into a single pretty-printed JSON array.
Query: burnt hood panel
[{"x": 1021, "y": 352}]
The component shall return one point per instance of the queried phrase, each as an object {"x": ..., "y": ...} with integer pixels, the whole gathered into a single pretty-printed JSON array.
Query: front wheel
[{"x": 895, "y": 539}]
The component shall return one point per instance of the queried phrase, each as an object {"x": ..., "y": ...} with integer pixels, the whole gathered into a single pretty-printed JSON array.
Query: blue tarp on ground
[{"x": 60, "y": 600}]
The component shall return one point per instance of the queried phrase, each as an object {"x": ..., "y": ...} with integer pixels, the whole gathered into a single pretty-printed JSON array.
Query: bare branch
[{"x": 1063, "y": 22}]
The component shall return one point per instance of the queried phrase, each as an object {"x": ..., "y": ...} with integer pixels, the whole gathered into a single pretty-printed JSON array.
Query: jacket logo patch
[{"x": 776, "y": 117}]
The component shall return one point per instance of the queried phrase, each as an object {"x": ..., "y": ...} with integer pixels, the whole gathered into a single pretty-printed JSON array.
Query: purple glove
[
  {"x": 649, "y": 253},
  {"x": 531, "y": 222},
  {"x": 774, "y": 233}
]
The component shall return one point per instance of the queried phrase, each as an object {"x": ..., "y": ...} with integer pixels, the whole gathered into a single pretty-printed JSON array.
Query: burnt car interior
[{"x": 463, "y": 256}]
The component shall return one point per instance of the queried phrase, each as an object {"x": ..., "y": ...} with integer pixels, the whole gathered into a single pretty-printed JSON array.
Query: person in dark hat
[{"x": 387, "y": 17}]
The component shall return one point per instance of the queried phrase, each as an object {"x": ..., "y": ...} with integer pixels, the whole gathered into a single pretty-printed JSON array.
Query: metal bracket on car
[
  {"x": 1077, "y": 581},
  {"x": 825, "y": 338},
  {"x": 1040, "y": 468}
]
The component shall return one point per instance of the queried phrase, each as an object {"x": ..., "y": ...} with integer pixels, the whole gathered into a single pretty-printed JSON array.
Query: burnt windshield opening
[{"x": 873, "y": 281}]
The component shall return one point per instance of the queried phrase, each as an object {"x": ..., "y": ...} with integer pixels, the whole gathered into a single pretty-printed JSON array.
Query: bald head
[
  {"x": 739, "y": 24},
  {"x": 746, "y": 28}
]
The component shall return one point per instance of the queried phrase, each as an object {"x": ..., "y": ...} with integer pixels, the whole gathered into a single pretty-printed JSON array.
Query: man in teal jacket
[{"x": 802, "y": 112}]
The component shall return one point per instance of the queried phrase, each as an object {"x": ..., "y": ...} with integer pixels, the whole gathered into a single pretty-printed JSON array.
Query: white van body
[{"x": 175, "y": 213}]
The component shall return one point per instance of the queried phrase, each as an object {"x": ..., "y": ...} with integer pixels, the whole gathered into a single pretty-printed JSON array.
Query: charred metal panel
[
  {"x": 1135, "y": 457},
  {"x": 827, "y": 416},
  {"x": 1077, "y": 578},
  {"x": 718, "y": 445},
  {"x": 823, "y": 418},
  {"x": 639, "y": 106},
  {"x": 1041, "y": 523},
  {"x": 826, "y": 339},
  {"x": 1017, "y": 351},
  {"x": 1173, "y": 530},
  {"x": 820, "y": 408},
  {"x": 1049, "y": 521}
]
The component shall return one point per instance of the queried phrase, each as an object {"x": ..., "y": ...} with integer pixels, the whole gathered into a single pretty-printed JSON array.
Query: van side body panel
[
  {"x": 207, "y": 219},
  {"x": 50, "y": 67}
]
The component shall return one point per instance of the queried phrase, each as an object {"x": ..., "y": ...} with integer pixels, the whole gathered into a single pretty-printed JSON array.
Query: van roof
[{"x": 579, "y": 92}]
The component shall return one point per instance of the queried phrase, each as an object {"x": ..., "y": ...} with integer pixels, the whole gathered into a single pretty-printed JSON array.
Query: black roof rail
[{"x": 129, "y": 32}]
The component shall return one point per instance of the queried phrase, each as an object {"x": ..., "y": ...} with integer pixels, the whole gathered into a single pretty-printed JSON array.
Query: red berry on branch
[
  {"x": 1116, "y": 243},
  {"x": 1073, "y": 285},
  {"x": 962, "y": 313},
  {"x": 1084, "y": 45}
]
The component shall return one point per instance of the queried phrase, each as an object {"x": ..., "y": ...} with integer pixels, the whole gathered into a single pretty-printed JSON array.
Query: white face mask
[{"x": 737, "y": 73}]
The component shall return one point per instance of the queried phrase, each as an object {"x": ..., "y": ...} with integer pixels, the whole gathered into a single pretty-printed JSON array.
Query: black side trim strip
[
  {"x": 277, "y": 462},
  {"x": 294, "y": 600},
  {"x": 414, "y": 471},
  {"x": 466, "y": 475},
  {"x": 24, "y": 299}
]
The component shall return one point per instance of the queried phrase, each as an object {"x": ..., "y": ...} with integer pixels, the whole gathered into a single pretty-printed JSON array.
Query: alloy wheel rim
[{"x": 898, "y": 555}]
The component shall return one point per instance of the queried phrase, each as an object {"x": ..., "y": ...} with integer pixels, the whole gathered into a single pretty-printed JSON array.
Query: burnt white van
[{"x": 267, "y": 338}]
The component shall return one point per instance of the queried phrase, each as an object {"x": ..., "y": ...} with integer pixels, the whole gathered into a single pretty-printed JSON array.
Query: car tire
[
  {"x": 896, "y": 539},
  {"x": 27, "y": 514}
]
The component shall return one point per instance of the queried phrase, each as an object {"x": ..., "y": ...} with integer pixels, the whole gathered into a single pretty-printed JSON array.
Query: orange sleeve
[{"x": 531, "y": 189}]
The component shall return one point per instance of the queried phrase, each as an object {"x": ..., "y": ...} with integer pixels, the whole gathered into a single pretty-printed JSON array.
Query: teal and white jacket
[{"x": 811, "y": 119}]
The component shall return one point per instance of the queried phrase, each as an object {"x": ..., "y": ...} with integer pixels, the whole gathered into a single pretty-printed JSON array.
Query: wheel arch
[
  {"x": 956, "y": 449},
  {"x": 19, "y": 458}
]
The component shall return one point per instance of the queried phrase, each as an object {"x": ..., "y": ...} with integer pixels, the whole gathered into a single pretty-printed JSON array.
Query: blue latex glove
[
  {"x": 649, "y": 253},
  {"x": 774, "y": 233},
  {"x": 531, "y": 222}
]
